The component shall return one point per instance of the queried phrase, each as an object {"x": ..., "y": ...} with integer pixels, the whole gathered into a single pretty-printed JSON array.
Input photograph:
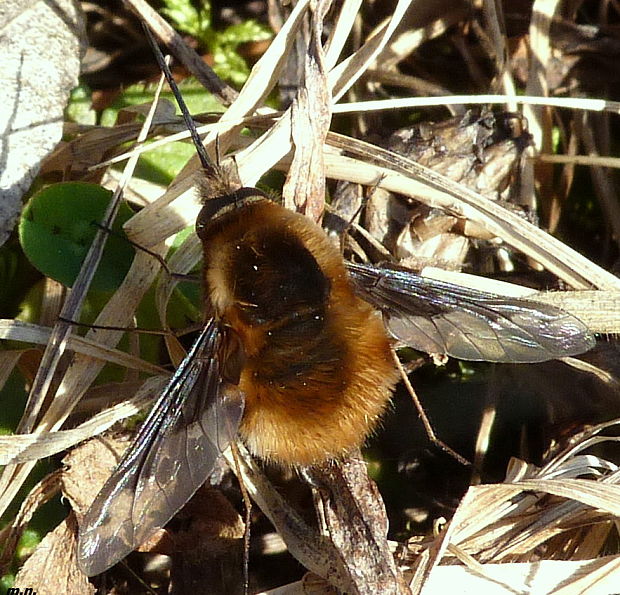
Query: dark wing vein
[
  {"x": 438, "y": 317},
  {"x": 175, "y": 450}
]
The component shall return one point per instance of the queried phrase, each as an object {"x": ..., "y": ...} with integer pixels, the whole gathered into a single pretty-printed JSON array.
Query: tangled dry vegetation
[{"x": 510, "y": 141}]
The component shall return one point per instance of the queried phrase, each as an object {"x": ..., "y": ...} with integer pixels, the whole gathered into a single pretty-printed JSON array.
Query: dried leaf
[{"x": 34, "y": 92}]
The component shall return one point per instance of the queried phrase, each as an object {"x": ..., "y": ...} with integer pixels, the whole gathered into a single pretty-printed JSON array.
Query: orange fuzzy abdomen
[{"x": 326, "y": 408}]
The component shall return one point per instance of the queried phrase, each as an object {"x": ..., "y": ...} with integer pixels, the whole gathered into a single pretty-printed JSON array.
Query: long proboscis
[{"x": 210, "y": 168}]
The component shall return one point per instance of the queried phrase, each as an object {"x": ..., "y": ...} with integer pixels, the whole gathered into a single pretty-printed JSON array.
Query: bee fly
[{"x": 294, "y": 357}]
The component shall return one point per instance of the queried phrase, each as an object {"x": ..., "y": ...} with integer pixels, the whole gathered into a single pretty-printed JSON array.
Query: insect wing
[
  {"x": 438, "y": 317},
  {"x": 176, "y": 449}
]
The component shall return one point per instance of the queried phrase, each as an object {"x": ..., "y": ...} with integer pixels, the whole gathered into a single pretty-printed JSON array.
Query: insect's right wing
[
  {"x": 438, "y": 317},
  {"x": 172, "y": 455}
]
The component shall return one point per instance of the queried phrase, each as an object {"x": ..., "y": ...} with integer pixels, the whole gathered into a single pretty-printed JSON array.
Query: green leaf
[
  {"x": 80, "y": 108},
  {"x": 187, "y": 17},
  {"x": 59, "y": 224},
  {"x": 6, "y": 582},
  {"x": 246, "y": 32},
  {"x": 227, "y": 62},
  {"x": 29, "y": 540}
]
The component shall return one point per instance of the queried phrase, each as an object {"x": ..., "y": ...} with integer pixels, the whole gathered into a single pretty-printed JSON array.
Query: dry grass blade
[
  {"x": 16, "y": 330},
  {"x": 591, "y": 492},
  {"x": 304, "y": 189},
  {"x": 343, "y": 76},
  {"x": 576, "y": 103},
  {"x": 345, "y": 22},
  {"x": 276, "y": 143},
  {"x": 175, "y": 209},
  {"x": 262, "y": 79},
  {"x": 540, "y": 26},
  {"x": 20, "y": 448}
]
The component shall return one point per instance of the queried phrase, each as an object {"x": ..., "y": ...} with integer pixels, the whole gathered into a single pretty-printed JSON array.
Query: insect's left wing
[
  {"x": 438, "y": 317},
  {"x": 172, "y": 455}
]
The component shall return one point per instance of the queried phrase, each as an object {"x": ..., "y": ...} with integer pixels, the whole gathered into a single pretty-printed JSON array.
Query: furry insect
[{"x": 294, "y": 358}]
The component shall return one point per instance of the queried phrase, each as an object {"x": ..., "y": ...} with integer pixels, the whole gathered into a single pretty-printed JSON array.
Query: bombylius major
[{"x": 294, "y": 358}]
